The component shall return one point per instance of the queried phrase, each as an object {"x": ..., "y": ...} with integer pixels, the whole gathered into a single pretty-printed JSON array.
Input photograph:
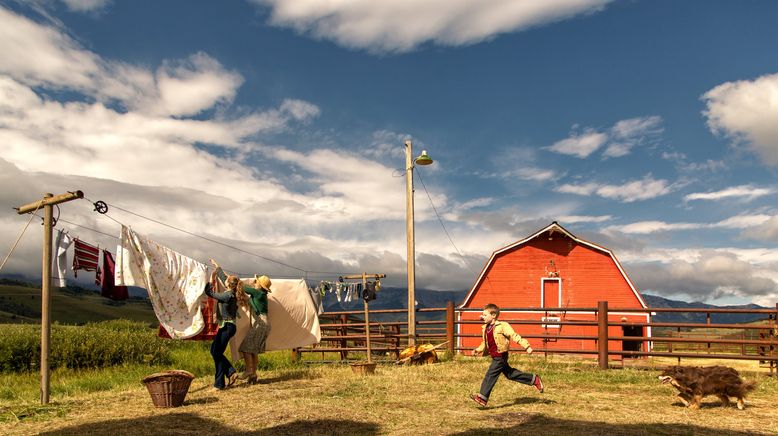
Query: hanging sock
[
  {"x": 62, "y": 243},
  {"x": 85, "y": 256}
]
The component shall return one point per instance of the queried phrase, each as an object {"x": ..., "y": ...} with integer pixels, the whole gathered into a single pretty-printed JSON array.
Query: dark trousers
[
  {"x": 223, "y": 366},
  {"x": 500, "y": 366}
]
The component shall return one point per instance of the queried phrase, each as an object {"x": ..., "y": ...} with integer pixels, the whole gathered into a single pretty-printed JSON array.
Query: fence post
[
  {"x": 344, "y": 332},
  {"x": 602, "y": 334},
  {"x": 295, "y": 354},
  {"x": 450, "y": 327}
]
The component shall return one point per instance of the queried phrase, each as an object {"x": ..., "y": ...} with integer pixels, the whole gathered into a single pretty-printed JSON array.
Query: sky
[{"x": 649, "y": 127}]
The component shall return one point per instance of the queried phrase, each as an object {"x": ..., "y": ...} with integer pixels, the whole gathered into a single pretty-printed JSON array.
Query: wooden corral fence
[{"x": 343, "y": 334}]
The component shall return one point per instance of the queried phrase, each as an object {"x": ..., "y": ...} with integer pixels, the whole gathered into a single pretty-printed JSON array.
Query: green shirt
[{"x": 257, "y": 298}]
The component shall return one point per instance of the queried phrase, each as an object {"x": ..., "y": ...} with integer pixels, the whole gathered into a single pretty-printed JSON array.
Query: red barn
[{"x": 551, "y": 271}]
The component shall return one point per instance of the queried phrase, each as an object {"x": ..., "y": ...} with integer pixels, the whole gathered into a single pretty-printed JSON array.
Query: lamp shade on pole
[{"x": 423, "y": 159}]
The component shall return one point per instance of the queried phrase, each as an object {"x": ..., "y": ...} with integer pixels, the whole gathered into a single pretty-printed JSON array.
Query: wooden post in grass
[
  {"x": 47, "y": 203},
  {"x": 450, "y": 327},
  {"x": 602, "y": 334}
]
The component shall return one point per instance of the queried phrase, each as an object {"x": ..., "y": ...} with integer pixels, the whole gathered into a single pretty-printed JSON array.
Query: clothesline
[
  {"x": 214, "y": 241},
  {"x": 243, "y": 274}
]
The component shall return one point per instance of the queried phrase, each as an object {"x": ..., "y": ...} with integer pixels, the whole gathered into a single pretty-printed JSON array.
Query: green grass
[
  {"x": 430, "y": 399},
  {"x": 20, "y": 304}
]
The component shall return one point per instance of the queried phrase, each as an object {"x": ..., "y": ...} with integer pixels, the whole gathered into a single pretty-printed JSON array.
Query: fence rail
[{"x": 344, "y": 333}]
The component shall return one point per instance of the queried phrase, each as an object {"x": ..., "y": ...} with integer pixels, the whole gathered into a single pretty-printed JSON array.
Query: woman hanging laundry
[
  {"x": 256, "y": 338},
  {"x": 226, "y": 314}
]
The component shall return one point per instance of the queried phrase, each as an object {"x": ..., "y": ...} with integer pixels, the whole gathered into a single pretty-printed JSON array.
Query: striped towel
[{"x": 85, "y": 257}]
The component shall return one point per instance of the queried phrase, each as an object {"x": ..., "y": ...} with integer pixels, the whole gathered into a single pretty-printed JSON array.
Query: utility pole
[
  {"x": 47, "y": 203},
  {"x": 411, "y": 243}
]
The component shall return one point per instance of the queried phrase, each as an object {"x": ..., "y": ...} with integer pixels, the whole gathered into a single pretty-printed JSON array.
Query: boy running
[{"x": 496, "y": 340}]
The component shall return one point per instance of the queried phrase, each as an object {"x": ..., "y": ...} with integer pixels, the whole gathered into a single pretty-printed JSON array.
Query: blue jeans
[
  {"x": 223, "y": 366},
  {"x": 500, "y": 366}
]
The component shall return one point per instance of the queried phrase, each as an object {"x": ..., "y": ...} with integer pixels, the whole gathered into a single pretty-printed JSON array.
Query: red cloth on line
[
  {"x": 86, "y": 256},
  {"x": 105, "y": 278},
  {"x": 211, "y": 327}
]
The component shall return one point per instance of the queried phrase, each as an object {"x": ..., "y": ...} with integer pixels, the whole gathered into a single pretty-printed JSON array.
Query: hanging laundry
[
  {"x": 291, "y": 314},
  {"x": 62, "y": 243},
  {"x": 369, "y": 293},
  {"x": 85, "y": 256},
  {"x": 174, "y": 282},
  {"x": 338, "y": 289},
  {"x": 211, "y": 327},
  {"x": 105, "y": 279},
  {"x": 317, "y": 300}
]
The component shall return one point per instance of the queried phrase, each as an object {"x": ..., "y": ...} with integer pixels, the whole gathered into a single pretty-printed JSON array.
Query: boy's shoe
[
  {"x": 477, "y": 398},
  {"x": 538, "y": 383}
]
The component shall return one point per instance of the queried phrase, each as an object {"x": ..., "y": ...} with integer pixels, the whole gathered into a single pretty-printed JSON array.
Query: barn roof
[{"x": 553, "y": 227}]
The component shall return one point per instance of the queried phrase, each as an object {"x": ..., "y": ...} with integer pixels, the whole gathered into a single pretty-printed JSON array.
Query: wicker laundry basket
[{"x": 168, "y": 388}]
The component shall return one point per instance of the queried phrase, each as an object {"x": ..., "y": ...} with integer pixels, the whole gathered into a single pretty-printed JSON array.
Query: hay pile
[{"x": 418, "y": 355}]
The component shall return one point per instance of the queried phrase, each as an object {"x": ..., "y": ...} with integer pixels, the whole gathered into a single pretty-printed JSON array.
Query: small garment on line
[
  {"x": 62, "y": 243},
  {"x": 317, "y": 299},
  {"x": 174, "y": 282},
  {"x": 106, "y": 281},
  {"x": 85, "y": 256}
]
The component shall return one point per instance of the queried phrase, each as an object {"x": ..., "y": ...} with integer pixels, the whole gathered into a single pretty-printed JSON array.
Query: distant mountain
[{"x": 716, "y": 318}]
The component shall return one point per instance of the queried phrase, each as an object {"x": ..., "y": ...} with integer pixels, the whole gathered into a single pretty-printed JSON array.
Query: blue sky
[{"x": 648, "y": 127}]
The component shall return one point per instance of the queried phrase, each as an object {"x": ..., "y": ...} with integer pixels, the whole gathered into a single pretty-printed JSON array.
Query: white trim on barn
[
  {"x": 543, "y": 281},
  {"x": 554, "y": 226}
]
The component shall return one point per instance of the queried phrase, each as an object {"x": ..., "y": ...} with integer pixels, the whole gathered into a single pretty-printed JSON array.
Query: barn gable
[{"x": 533, "y": 242}]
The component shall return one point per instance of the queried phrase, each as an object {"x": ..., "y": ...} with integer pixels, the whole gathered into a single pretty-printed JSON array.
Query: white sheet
[
  {"x": 291, "y": 314},
  {"x": 174, "y": 282}
]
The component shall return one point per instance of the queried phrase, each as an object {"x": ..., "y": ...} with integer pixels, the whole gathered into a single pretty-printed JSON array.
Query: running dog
[{"x": 696, "y": 382}]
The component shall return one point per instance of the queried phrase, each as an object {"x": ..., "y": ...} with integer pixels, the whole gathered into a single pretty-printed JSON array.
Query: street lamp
[{"x": 423, "y": 159}]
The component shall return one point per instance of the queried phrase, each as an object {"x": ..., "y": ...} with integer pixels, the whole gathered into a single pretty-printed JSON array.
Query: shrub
[{"x": 94, "y": 345}]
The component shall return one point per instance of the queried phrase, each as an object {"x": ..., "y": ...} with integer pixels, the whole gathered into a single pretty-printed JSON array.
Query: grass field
[
  {"x": 23, "y": 304},
  {"x": 433, "y": 399}
]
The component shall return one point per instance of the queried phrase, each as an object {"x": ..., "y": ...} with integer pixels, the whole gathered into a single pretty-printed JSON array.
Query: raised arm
[{"x": 221, "y": 296}]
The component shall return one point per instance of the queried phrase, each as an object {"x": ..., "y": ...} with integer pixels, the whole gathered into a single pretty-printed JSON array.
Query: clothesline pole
[
  {"x": 367, "y": 323},
  {"x": 48, "y": 201},
  {"x": 364, "y": 277}
]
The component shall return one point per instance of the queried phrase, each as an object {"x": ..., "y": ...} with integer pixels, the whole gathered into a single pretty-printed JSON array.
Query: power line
[
  {"x": 440, "y": 220},
  {"x": 216, "y": 242}
]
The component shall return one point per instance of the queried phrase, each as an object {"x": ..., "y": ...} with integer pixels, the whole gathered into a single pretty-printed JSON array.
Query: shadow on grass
[
  {"x": 524, "y": 423},
  {"x": 525, "y": 400},
  {"x": 189, "y": 423},
  {"x": 206, "y": 400},
  {"x": 286, "y": 376}
]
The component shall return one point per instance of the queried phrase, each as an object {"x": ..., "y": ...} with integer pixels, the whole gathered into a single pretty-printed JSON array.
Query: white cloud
[
  {"x": 188, "y": 87},
  {"x": 648, "y": 227},
  {"x": 573, "y": 219},
  {"x": 746, "y": 111},
  {"x": 747, "y": 192},
  {"x": 402, "y": 25},
  {"x": 626, "y": 134},
  {"x": 533, "y": 174},
  {"x": 618, "y": 140},
  {"x": 86, "y": 5},
  {"x": 631, "y": 191},
  {"x": 711, "y": 275},
  {"x": 580, "y": 145}
]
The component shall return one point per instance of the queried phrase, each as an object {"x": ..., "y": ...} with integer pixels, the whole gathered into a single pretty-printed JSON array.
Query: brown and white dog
[{"x": 695, "y": 382}]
